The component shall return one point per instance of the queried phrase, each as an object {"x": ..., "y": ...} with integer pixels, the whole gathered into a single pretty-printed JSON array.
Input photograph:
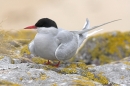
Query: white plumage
[{"x": 53, "y": 43}]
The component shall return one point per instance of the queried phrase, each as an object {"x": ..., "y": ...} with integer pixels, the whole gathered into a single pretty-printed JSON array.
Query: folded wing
[{"x": 68, "y": 45}]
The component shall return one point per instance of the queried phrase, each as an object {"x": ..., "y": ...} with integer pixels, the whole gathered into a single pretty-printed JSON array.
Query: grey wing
[
  {"x": 68, "y": 45},
  {"x": 31, "y": 48}
]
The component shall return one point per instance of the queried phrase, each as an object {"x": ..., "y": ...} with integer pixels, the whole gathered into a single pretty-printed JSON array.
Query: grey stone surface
[
  {"x": 31, "y": 74},
  {"x": 6, "y": 60},
  {"x": 116, "y": 73},
  {"x": 17, "y": 61}
]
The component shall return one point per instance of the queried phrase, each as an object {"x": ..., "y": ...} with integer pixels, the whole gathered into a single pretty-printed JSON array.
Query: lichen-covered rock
[
  {"x": 6, "y": 60},
  {"x": 29, "y": 74},
  {"x": 116, "y": 72},
  {"x": 68, "y": 74},
  {"x": 105, "y": 48},
  {"x": 7, "y": 83}
]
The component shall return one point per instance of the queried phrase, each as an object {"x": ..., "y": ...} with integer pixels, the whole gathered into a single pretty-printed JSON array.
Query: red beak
[{"x": 30, "y": 27}]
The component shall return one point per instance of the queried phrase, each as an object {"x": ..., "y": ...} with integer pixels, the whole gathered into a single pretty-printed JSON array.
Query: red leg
[
  {"x": 57, "y": 65},
  {"x": 48, "y": 62}
]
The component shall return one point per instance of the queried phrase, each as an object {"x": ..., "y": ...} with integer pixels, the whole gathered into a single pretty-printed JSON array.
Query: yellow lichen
[
  {"x": 102, "y": 79},
  {"x": 43, "y": 76},
  {"x": 83, "y": 81},
  {"x": 96, "y": 77},
  {"x": 54, "y": 84},
  {"x": 69, "y": 70},
  {"x": 82, "y": 65},
  {"x": 73, "y": 65},
  {"x": 21, "y": 78},
  {"x": 115, "y": 85},
  {"x": 104, "y": 59},
  {"x": 1, "y": 57},
  {"x": 126, "y": 62},
  {"x": 39, "y": 60},
  {"x": 49, "y": 67},
  {"x": 25, "y": 50},
  {"x": 109, "y": 45},
  {"x": 84, "y": 78},
  {"x": 90, "y": 75},
  {"x": 29, "y": 73},
  {"x": 11, "y": 42},
  {"x": 7, "y": 83},
  {"x": 122, "y": 77},
  {"x": 128, "y": 69},
  {"x": 22, "y": 34}
]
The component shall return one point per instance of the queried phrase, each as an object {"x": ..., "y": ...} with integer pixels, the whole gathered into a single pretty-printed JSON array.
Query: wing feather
[{"x": 68, "y": 45}]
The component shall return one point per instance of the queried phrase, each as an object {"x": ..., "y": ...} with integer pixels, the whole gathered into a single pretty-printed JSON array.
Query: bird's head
[{"x": 44, "y": 22}]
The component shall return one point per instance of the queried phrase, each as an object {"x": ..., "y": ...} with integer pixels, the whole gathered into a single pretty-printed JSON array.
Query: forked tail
[{"x": 86, "y": 30}]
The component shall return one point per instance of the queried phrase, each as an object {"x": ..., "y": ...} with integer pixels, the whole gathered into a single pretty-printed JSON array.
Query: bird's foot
[
  {"x": 48, "y": 62},
  {"x": 57, "y": 65}
]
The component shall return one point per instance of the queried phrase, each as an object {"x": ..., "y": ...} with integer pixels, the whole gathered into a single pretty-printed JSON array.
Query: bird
[{"x": 57, "y": 44}]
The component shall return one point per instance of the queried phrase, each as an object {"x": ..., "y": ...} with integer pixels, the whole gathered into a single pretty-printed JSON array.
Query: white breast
[{"x": 45, "y": 43}]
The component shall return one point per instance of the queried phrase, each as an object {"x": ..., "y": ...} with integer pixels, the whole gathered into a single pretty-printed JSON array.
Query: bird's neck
[{"x": 44, "y": 30}]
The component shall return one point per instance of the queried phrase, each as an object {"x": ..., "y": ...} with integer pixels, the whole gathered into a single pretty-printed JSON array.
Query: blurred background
[
  {"x": 69, "y": 14},
  {"x": 111, "y": 44}
]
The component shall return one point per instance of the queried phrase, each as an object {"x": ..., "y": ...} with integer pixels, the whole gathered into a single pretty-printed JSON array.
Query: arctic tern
[{"x": 53, "y": 43}]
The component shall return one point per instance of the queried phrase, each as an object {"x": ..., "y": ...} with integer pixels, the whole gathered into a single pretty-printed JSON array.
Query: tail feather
[
  {"x": 93, "y": 32},
  {"x": 86, "y": 30},
  {"x": 86, "y": 26},
  {"x": 84, "y": 33}
]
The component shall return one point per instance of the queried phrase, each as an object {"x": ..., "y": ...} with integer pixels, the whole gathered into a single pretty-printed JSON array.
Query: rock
[
  {"x": 117, "y": 72},
  {"x": 69, "y": 74},
  {"x": 105, "y": 48},
  {"x": 6, "y": 60},
  {"x": 29, "y": 74},
  {"x": 17, "y": 61}
]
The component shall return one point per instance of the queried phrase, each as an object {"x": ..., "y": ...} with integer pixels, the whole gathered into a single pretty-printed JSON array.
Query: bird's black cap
[{"x": 46, "y": 22}]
